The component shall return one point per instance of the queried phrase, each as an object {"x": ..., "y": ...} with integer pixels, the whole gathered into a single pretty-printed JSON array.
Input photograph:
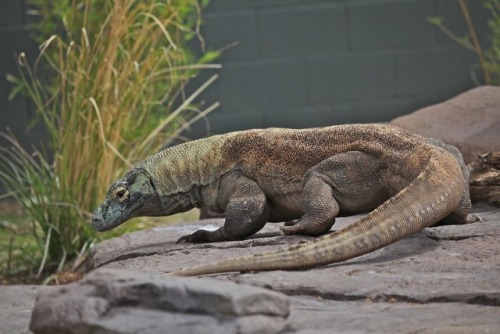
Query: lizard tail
[{"x": 433, "y": 195}]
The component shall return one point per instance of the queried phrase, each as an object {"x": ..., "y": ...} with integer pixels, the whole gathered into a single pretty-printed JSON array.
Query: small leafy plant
[
  {"x": 110, "y": 93},
  {"x": 489, "y": 60}
]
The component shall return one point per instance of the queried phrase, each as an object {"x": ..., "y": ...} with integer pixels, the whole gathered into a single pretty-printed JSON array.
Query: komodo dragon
[{"x": 309, "y": 176}]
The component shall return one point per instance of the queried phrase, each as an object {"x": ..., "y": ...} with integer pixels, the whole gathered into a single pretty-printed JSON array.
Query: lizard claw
[
  {"x": 472, "y": 218},
  {"x": 184, "y": 238},
  {"x": 196, "y": 237},
  {"x": 291, "y": 230}
]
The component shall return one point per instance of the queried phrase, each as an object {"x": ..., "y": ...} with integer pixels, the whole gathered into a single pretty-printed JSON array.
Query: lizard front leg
[{"x": 247, "y": 211}]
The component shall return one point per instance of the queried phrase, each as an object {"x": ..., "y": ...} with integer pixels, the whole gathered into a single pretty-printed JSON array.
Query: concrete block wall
[
  {"x": 303, "y": 63},
  {"x": 300, "y": 63},
  {"x": 15, "y": 115}
]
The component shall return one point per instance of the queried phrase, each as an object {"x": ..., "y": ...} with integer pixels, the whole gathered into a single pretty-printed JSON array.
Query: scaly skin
[{"x": 312, "y": 175}]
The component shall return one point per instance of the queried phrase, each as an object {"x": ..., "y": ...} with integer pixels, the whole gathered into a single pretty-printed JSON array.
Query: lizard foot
[
  {"x": 205, "y": 236},
  {"x": 291, "y": 222},
  {"x": 196, "y": 237},
  {"x": 302, "y": 227},
  {"x": 293, "y": 229},
  {"x": 472, "y": 218}
]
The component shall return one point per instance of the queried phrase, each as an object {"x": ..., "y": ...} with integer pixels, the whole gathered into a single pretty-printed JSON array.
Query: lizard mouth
[
  {"x": 103, "y": 220},
  {"x": 109, "y": 215},
  {"x": 98, "y": 222}
]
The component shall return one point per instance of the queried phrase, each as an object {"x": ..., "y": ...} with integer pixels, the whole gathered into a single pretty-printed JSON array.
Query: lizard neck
[
  {"x": 181, "y": 202},
  {"x": 179, "y": 172}
]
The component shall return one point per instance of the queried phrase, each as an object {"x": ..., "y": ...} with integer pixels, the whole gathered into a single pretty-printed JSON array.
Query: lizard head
[{"x": 131, "y": 196}]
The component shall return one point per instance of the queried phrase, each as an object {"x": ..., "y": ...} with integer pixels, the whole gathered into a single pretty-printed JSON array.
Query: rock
[
  {"x": 488, "y": 219},
  {"x": 117, "y": 301},
  {"x": 317, "y": 315},
  {"x": 443, "y": 280},
  {"x": 485, "y": 179},
  {"x": 145, "y": 243},
  {"x": 16, "y": 303},
  {"x": 470, "y": 121},
  {"x": 159, "y": 241},
  {"x": 454, "y": 263},
  {"x": 434, "y": 279}
]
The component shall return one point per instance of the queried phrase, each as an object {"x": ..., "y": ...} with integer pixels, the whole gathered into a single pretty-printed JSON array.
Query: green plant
[
  {"x": 489, "y": 60},
  {"x": 115, "y": 73},
  {"x": 492, "y": 55}
]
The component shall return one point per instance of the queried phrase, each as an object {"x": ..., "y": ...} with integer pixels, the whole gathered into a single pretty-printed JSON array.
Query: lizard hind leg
[
  {"x": 346, "y": 181},
  {"x": 319, "y": 214},
  {"x": 291, "y": 222},
  {"x": 461, "y": 213}
]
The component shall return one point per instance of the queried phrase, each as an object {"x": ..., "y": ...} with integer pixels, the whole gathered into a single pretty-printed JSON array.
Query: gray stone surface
[
  {"x": 365, "y": 316},
  {"x": 470, "y": 121},
  {"x": 114, "y": 301},
  {"x": 16, "y": 303},
  {"x": 444, "y": 279}
]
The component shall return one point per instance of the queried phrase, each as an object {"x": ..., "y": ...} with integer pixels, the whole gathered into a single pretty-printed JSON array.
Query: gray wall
[
  {"x": 15, "y": 115},
  {"x": 306, "y": 63},
  {"x": 301, "y": 63}
]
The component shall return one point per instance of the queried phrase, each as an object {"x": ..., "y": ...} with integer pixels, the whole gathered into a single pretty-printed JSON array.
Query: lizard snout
[{"x": 97, "y": 220}]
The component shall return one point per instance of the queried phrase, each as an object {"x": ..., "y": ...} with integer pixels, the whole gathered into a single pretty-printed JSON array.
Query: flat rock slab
[
  {"x": 16, "y": 304},
  {"x": 117, "y": 301},
  {"x": 470, "y": 121},
  {"x": 318, "y": 316},
  {"x": 449, "y": 270}
]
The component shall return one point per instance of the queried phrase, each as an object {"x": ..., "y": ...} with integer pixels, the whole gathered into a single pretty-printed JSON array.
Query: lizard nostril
[{"x": 96, "y": 219}]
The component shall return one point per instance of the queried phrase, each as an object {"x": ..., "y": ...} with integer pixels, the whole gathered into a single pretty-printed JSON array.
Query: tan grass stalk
[{"x": 117, "y": 70}]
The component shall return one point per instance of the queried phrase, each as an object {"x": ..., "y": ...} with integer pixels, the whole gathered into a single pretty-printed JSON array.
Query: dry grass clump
[{"x": 111, "y": 94}]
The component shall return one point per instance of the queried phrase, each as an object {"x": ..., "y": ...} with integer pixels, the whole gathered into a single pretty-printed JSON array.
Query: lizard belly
[
  {"x": 359, "y": 203},
  {"x": 285, "y": 207}
]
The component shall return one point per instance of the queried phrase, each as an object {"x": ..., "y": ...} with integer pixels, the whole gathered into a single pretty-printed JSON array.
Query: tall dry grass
[{"x": 112, "y": 96}]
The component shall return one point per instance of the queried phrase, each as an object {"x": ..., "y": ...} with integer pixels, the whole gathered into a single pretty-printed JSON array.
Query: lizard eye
[{"x": 121, "y": 193}]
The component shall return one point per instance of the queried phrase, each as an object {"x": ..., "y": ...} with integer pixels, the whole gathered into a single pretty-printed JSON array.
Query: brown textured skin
[{"x": 312, "y": 175}]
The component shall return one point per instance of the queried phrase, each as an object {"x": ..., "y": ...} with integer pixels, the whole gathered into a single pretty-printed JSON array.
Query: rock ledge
[{"x": 118, "y": 301}]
